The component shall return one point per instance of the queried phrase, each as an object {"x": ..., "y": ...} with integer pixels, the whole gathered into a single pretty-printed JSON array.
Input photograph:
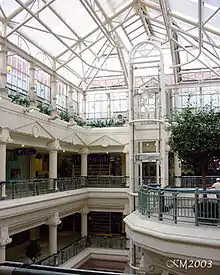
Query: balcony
[
  {"x": 191, "y": 206},
  {"x": 181, "y": 224},
  {"x": 33, "y": 187}
]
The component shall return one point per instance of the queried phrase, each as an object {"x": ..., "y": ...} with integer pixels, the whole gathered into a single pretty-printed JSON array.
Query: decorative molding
[
  {"x": 84, "y": 151},
  {"x": 126, "y": 148},
  {"x": 55, "y": 220},
  {"x": 126, "y": 210},
  {"x": 5, "y": 135},
  {"x": 73, "y": 138},
  {"x": 4, "y": 237},
  {"x": 105, "y": 141},
  {"x": 36, "y": 129},
  {"x": 54, "y": 145},
  {"x": 85, "y": 209}
]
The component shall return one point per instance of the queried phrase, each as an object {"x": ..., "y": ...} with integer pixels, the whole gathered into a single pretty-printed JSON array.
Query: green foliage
[
  {"x": 195, "y": 135},
  {"x": 45, "y": 108},
  {"x": 20, "y": 99},
  {"x": 64, "y": 116}
]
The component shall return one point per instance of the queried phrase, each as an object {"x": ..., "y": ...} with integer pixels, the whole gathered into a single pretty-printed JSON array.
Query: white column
[
  {"x": 3, "y": 71},
  {"x": 53, "y": 222},
  {"x": 53, "y": 147},
  {"x": 54, "y": 95},
  {"x": 3, "y": 167},
  {"x": 84, "y": 107},
  {"x": 127, "y": 163},
  {"x": 84, "y": 225},
  {"x": 32, "y": 91},
  {"x": 4, "y": 240},
  {"x": 84, "y": 162},
  {"x": 53, "y": 164},
  {"x": 70, "y": 106},
  {"x": 177, "y": 171}
]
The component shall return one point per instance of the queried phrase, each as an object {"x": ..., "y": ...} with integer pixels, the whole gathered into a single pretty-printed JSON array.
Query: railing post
[
  {"x": 161, "y": 205},
  {"x": 196, "y": 207},
  {"x": 218, "y": 203},
  {"x": 175, "y": 207},
  {"x": 148, "y": 193}
]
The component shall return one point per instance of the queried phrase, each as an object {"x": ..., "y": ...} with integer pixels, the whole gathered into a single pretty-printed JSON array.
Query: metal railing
[
  {"x": 190, "y": 181},
  {"x": 71, "y": 250},
  {"x": 33, "y": 187},
  {"x": 180, "y": 205},
  {"x": 17, "y": 268}
]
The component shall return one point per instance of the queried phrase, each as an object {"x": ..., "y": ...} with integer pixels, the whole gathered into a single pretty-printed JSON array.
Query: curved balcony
[
  {"x": 193, "y": 206},
  {"x": 172, "y": 224}
]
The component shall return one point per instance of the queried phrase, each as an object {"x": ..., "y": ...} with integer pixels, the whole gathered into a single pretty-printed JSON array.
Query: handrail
[
  {"x": 180, "y": 205},
  {"x": 35, "y": 269},
  {"x": 68, "y": 252},
  {"x": 181, "y": 190},
  {"x": 33, "y": 187}
]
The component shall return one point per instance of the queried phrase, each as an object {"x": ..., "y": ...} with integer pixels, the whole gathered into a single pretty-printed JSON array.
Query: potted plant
[{"x": 33, "y": 251}]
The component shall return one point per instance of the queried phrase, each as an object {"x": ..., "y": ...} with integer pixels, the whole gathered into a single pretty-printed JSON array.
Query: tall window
[
  {"x": 61, "y": 96},
  {"x": 17, "y": 74},
  {"x": 42, "y": 85}
]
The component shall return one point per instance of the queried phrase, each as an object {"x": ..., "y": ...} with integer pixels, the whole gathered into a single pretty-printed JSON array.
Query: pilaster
[{"x": 4, "y": 240}]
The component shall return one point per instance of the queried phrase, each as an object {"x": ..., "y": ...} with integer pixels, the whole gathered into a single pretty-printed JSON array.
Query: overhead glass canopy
[{"x": 88, "y": 41}]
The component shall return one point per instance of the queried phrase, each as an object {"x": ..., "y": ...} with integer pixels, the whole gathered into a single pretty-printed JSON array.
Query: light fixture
[
  {"x": 35, "y": 82},
  {"x": 22, "y": 145},
  {"x": 64, "y": 151},
  {"x": 106, "y": 152},
  {"x": 9, "y": 68}
]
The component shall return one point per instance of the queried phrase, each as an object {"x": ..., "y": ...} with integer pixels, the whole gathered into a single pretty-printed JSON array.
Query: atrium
[{"x": 88, "y": 179}]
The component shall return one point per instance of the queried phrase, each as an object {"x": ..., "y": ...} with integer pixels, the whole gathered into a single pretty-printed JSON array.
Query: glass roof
[{"x": 87, "y": 41}]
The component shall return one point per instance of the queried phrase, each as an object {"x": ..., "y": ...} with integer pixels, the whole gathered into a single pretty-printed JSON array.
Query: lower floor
[{"x": 56, "y": 235}]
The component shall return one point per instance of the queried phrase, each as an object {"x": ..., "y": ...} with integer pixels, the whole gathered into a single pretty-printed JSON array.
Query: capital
[
  {"x": 84, "y": 151},
  {"x": 126, "y": 149},
  {"x": 5, "y": 135},
  {"x": 55, "y": 220},
  {"x": 54, "y": 145},
  {"x": 84, "y": 210},
  {"x": 4, "y": 237}
]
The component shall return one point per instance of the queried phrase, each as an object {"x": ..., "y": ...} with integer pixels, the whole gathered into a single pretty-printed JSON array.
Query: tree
[
  {"x": 195, "y": 136},
  {"x": 33, "y": 250}
]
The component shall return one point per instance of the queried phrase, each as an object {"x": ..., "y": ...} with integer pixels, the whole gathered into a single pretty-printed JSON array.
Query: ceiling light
[
  {"x": 22, "y": 145},
  {"x": 64, "y": 151}
]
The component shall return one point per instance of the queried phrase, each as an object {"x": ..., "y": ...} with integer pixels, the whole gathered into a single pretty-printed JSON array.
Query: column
[
  {"x": 4, "y": 240},
  {"x": 53, "y": 222},
  {"x": 84, "y": 225},
  {"x": 53, "y": 147},
  {"x": 84, "y": 161},
  {"x": 4, "y": 139},
  {"x": 32, "y": 91},
  {"x": 3, "y": 71},
  {"x": 70, "y": 106},
  {"x": 127, "y": 163},
  {"x": 84, "y": 107},
  {"x": 3, "y": 168},
  {"x": 177, "y": 172},
  {"x": 54, "y": 95}
]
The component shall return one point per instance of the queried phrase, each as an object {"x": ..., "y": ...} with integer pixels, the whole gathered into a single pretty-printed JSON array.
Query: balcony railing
[
  {"x": 198, "y": 207},
  {"x": 71, "y": 250},
  {"x": 190, "y": 181},
  {"x": 17, "y": 268},
  {"x": 32, "y": 187}
]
